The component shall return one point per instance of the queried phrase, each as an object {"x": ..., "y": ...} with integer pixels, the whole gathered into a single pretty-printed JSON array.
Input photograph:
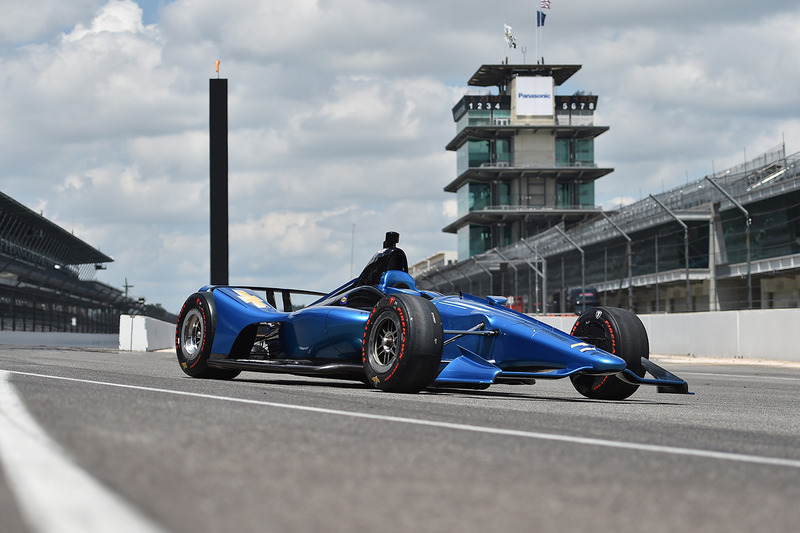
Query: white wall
[
  {"x": 145, "y": 334},
  {"x": 54, "y": 338},
  {"x": 758, "y": 334}
]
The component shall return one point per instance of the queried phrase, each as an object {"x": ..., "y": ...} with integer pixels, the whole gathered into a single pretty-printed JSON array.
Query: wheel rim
[
  {"x": 385, "y": 344},
  {"x": 192, "y": 335},
  {"x": 596, "y": 336}
]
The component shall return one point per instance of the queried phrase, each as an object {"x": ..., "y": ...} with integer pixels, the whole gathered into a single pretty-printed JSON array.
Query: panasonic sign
[{"x": 534, "y": 96}]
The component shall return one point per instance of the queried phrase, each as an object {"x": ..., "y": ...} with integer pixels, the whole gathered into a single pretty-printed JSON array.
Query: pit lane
[{"x": 284, "y": 453}]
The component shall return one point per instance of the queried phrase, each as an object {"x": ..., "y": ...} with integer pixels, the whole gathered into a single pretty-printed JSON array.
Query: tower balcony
[
  {"x": 507, "y": 214},
  {"x": 490, "y": 132},
  {"x": 501, "y": 171}
]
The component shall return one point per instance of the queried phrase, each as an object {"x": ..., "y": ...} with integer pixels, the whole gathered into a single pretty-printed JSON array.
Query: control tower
[{"x": 525, "y": 156}]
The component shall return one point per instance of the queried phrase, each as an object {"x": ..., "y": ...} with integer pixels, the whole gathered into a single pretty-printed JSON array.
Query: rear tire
[
  {"x": 619, "y": 332},
  {"x": 403, "y": 341},
  {"x": 194, "y": 336}
]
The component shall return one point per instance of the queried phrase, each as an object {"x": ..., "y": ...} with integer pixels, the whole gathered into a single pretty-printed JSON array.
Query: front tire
[
  {"x": 403, "y": 342},
  {"x": 618, "y": 332},
  {"x": 194, "y": 336}
]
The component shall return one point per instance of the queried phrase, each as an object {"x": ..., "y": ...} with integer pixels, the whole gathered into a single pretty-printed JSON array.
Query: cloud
[
  {"x": 339, "y": 113},
  {"x": 22, "y": 23},
  {"x": 118, "y": 16}
]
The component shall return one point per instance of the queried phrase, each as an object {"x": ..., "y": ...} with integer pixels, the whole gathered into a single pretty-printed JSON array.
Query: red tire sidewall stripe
[
  {"x": 610, "y": 330},
  {"x": 399, "y": 358},
  {"x": 202, "y": 307}
]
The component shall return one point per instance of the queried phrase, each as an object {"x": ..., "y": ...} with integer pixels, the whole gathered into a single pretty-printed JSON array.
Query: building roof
[
  {"x": 27, "y": 229},
  {"x": 499, "y": 75}
]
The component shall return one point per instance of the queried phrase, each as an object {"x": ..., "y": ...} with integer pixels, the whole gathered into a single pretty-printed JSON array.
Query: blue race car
[{"x": 382, "y": 330}]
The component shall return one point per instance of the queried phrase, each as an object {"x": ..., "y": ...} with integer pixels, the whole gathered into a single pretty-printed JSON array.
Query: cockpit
[
  {"x": 386, "y": 272},
  {"x": 390, "y": 258}
]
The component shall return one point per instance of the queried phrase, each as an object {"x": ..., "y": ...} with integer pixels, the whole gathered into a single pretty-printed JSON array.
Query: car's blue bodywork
[{"x": 484, "y": 341}]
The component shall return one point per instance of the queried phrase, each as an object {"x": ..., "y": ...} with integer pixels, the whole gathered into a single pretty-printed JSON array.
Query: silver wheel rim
[
  {"x": 385, "y": 343},
  {"x": 192, "y": 334}
]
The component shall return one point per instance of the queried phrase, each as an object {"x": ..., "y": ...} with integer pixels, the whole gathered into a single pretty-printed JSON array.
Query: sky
[{"x": 339, "y": 114}]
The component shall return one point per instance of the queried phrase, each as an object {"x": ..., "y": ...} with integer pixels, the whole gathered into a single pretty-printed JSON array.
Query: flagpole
[
  {"x": 540, "y": 18},
  {"x": 540, "y": 25}
]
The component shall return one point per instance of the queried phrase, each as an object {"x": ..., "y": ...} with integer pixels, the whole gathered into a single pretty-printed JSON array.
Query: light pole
[
  {"x": 583, "y": 263},
  {"x": 685, "y": 247},
  {"x": 542, "y": 274},
  {"x": 746, "y": 238},
  {"x": 630, "y": 267}
]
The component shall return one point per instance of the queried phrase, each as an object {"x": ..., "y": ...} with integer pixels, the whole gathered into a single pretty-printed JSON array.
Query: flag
[
  {"x": 545, "y": 4},
  {"x": 510, "y": 40},
  {"x": 540, "y": 18}
]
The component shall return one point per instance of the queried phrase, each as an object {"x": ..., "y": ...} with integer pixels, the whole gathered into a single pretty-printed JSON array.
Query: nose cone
[{"x": 605, "y": 363}]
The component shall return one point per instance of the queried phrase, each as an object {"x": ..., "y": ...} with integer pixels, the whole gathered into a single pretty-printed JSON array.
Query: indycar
[{"x": 382, "y": 330}]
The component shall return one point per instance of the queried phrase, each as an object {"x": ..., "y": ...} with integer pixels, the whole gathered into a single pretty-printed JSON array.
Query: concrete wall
[
  {"x": 758, "y": 334},
  {"x": 145, "y": 334},
  {"x": 64, "y": 339},
  {"x": 136, "y": 333}
]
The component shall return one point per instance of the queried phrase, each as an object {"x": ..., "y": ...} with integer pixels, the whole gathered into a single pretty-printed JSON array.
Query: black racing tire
[
  {"x": 403, "y": 342},
  {"x": 194, "y": 335},
  {"x": 619, "y": 332}
]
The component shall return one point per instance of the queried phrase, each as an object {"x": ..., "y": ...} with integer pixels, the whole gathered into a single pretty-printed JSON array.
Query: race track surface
[{"x": 107, "y": 441}]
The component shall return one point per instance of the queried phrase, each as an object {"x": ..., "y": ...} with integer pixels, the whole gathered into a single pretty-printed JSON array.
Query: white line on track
[
  {"x": 741, "y": 376},
  {"x": 671, "y": 450},
  {"x": 53, "y": 494}
]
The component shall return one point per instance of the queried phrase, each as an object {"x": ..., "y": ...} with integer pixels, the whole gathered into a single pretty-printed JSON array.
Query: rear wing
[{"x": 284, "y": 294}]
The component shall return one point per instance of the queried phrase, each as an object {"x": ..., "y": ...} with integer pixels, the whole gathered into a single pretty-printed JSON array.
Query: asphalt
[{"x": 281, "y": 453}]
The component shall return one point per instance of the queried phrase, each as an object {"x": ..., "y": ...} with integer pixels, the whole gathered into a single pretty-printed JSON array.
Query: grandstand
[
  {"x": 726, "y": 241},
  {"x": 47, "y": 278}
]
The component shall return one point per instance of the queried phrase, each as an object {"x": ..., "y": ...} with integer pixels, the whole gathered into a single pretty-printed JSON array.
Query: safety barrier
[
  {"x": 757, "y": 334},
  {"x": 145, "y": 334},
  {"x": 56, "y": 338}
]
